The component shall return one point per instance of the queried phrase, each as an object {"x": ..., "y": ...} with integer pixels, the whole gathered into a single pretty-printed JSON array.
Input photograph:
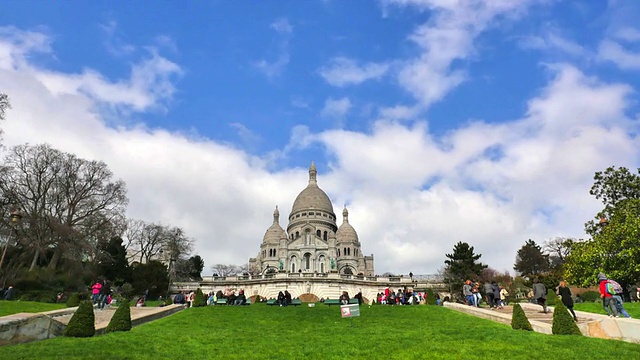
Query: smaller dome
[
  {"x": 346, "y": 232},
  {"x": 275, "y": 232}
]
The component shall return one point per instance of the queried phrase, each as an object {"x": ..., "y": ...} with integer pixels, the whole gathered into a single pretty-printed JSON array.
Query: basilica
[{"x": 312, "y": 243}]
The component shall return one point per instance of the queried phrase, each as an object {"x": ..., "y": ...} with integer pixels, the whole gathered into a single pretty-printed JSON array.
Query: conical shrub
[
  {"x": 199, "y": 300},
  {"x": 519, "y": 319},
  {"x": 121, "y": 319},
  {"x": 82, "y": 323},
  {"x": 563, "y": 323},
  {"x": 552, "y": 298},
  {"x": 73, "y": 300},
  {"x": 431, "y": 298}
]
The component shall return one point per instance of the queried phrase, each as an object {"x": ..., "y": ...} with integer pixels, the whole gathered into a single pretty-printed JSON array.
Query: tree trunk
[
  {"x": 53, "y": 264},
  {"x": 34, "y": 262}
]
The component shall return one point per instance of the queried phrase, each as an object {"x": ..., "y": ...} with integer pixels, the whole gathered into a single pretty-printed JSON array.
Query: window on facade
[
  {"x": 307, "y": 261},
  {"x": 297, "y": 234},
  {"x": 319, "y": 233},
  {"x": 325, "y": 215},
  {"x": 304, "y": 214},
  {"x": 297, "y": 216},
  {"x": 325, "y": 236}
]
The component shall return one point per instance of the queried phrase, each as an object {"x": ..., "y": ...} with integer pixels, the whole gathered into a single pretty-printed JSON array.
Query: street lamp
[{"x": 15, "y": 218}]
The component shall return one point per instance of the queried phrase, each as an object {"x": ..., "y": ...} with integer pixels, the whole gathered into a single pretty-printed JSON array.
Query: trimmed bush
[
  {"x": 552, "y": 298},
  {"x": 563, "y": 323},
  {"x": 519, "y": 319},
  {"x": 82, "y": 323},
  {"x": 590, "y": 296},
  {"x": 73, "y": 300},
  {"x": 121, "y": 320},
  {"x": 199, "y": 299},
  {"x": 431, "y": 297}
]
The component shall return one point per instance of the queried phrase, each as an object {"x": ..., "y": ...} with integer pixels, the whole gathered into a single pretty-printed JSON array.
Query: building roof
[
  {"x": 312, "y": 197},
  {"x": 275, "y": 232},
  {"x": 346, "y": 232}
]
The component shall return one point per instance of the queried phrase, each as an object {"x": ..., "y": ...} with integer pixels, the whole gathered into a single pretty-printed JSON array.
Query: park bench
[
  {"x": 353, "y": 301},
  {"x": 332, "y": 302},
  {"x": 296, "y": 302},
  {"x": 272, "y": 302},
  {"x": 221, "y": 301}
]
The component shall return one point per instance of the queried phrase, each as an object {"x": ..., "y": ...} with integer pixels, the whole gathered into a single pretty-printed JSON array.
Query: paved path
[{"x": 590, "y": 324}]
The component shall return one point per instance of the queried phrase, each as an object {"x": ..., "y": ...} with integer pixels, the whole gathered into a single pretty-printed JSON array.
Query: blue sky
[{"x": 477, "y": 121}]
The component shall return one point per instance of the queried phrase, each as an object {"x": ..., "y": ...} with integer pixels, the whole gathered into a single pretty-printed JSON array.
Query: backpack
[{"x": 613, "y": 287}]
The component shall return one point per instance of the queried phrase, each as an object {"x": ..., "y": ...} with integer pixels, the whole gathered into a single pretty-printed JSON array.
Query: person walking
[
  {"x": 467, "y": 291},
  {"x": 105, "y": 290},
  {"x": 95, "y": 291},
  {"x": 565, "y": 293},
  {"x": 503, "y": 296},
  {"x": 488, "y": 294},
  {"x": 608, "y": 302},
  {"x": 540, "y": 294}
]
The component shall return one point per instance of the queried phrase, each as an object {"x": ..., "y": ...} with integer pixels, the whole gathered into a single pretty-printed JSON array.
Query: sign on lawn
[{"x": 350, "y": 310}]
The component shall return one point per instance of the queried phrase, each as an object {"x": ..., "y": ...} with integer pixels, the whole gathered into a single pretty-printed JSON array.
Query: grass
[
  {"x": 14, "y": 307},
  {"x": 632, "y": 308},
  {"x": 263, "y": 332}
]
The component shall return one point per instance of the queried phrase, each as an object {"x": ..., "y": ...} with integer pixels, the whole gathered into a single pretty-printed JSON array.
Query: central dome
[{"x": 312, "y": 197}]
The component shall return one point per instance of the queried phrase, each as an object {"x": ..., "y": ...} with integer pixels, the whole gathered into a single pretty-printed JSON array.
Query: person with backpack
[
  {"x": 615, "y": 289},
  {"x": 608, "y": 302}
]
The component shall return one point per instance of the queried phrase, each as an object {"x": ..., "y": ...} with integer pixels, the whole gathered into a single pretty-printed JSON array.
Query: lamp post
[{"x": 15, "y": 218}]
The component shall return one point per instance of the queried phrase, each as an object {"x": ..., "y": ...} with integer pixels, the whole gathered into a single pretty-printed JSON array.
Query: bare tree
[
  {"x": 66, "y": 202},
  {"x": 225, "y": 270},
  {"x": 4, "y": 104},
  {"x": 154, "y": 241}
]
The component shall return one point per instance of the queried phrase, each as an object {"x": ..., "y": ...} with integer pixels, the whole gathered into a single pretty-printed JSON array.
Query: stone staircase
[
  {"x": 590, "y": 324},
  {"x": 27, "y": 327}
]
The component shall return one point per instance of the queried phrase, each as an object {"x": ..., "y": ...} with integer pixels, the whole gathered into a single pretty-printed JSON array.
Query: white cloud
[
  {"x": 445, "y": 38},
  {"x": 412, "y": 194},
  {"x": 114, "y": 43},
  {"x": 282, "y": 25},
  {"x": 273, "y": 68},
  {"x": 554, "y": 43},
  {"x": 336, "y": 108},
  {"x": 610, "y": 50},
  {"x": 344, "y": 71}
]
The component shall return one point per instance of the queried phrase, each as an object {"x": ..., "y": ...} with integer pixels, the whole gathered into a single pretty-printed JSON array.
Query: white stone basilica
[{"x": 312, "y": 243}]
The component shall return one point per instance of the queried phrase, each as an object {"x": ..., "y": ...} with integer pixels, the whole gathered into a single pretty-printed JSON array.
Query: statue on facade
[
  {"x": 333, "y": 263},
  {"x": 281, "y": 264}
]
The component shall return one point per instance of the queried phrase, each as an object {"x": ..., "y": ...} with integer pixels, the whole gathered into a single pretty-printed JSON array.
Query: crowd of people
[
  {"x": 495, "y": 295},
  {"x": 403, "y": 297}
]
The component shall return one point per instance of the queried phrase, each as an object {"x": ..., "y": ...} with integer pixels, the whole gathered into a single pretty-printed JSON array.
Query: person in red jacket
[{"x": 608, "y": 302}]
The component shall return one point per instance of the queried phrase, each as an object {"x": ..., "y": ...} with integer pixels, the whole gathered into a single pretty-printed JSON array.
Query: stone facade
[{"x": 312, "y": 243}]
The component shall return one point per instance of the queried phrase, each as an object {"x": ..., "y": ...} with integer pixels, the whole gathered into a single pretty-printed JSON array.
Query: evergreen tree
[
  {"x": 563, "y": 323},
  {"x": 196, "y": 265},
  {"x": 112, "y": 261},
  {"x": 530, "y": 260},
  {"x": 461, "y": 265},
  {"x": 199, "y": 300},
  {"x": 519, "y": 319},
  {"x": 73, "y": 300},
  {"x": 82, "y": 323},
  {"x": 121, "y": 319},
  {"x": 152, "y": 276}
]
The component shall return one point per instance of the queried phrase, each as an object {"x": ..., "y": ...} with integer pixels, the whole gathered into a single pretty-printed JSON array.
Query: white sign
[{"x": 350, "y": 310}]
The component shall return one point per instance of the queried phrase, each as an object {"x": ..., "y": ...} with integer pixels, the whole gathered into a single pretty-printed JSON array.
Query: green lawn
[
  {"x": 632, "y": 308},
  {"x": 14, "y": 307},
  {"x": 263, "y": 332}
]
